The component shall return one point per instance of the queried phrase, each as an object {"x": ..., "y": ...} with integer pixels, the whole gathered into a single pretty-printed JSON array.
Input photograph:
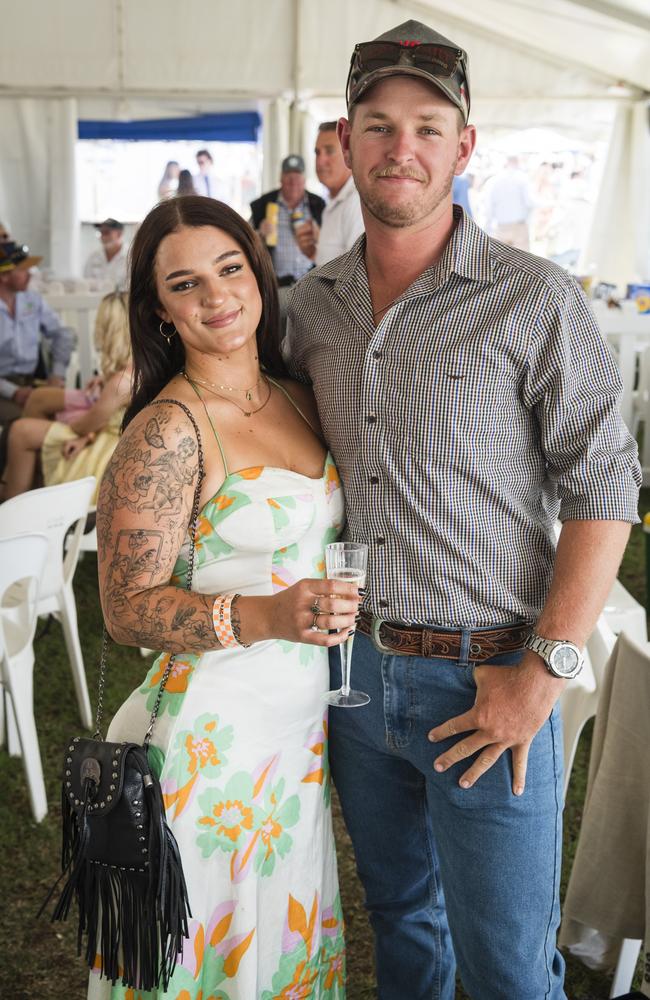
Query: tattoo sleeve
[{"x": 143, "y": 516}]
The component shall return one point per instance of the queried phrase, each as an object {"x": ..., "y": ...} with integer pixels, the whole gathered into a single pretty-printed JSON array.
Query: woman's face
[{"x": 207, "y": 289}]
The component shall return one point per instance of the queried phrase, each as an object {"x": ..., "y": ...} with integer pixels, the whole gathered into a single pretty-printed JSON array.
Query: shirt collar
[
  {"x": 345, "y": 192},
  {"x": 468, "y": 254}
]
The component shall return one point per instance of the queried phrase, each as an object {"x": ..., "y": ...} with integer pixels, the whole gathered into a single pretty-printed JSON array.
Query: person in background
[
  {"x": 108, "y": 264},
  {"x": 295, "y": 206},
  {"x": 83, "y": 444},
  {"x": 24, "y": 318},
  {"x": 460, "y": 193},
  {"x": 5, "y": 235},
  {"x": 205, "y": 182},
  {"x": 185, "y": 183},
  {"x": 169, "y": 180},
  {"x": 509, "y": 204},
  {"x": 469, "y": 400},
  {"x": 342, "y": 222}
]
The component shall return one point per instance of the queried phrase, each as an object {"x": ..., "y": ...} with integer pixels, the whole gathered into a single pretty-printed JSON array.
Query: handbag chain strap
[{"x": 188, "y": 586}]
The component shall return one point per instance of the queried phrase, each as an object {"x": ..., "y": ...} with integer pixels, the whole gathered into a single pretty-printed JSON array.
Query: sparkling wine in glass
[{"x": 347, "y": 561}]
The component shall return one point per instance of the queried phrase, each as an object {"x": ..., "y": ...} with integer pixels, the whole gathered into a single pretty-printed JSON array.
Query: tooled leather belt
[{"x": 418, "y": 640}]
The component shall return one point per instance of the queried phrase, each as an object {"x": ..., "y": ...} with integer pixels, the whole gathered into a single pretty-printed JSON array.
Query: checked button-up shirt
[{"x": 480, "y": 409}]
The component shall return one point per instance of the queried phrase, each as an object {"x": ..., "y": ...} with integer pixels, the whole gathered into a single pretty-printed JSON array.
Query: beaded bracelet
[
  {"x": 226, "y": 631},
  {"x": 235, "y": 624}
]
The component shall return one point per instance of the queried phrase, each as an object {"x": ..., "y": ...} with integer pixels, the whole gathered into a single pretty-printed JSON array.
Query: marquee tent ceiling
[
  {"x": 577, "y": 66},
  {"x": 263, "y": 48}
]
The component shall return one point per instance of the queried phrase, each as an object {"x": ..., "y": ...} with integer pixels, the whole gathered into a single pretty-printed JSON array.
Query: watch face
[{"x": 564, "y": 660}]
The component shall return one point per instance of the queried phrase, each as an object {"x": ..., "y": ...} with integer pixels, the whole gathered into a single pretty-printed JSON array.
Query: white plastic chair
[
  {"x": 579, "y": 700},
  {"x": 53, "y": 510},
  {"x": 641, "y": 404},
  {"x": 22, "y": 561}
]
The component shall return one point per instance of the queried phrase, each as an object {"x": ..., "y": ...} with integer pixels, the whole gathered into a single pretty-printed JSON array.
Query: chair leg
[
  {"x": 625, "y": 967},
  {"x": 68, "y": 617},
  {"x": 22, "y": 710},
  {"x": 3, "y": 715},
  {"x": 13, "y": 739}
]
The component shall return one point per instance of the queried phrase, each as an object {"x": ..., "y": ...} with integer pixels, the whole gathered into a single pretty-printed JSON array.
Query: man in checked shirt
[{"x": 469, "y": 401}]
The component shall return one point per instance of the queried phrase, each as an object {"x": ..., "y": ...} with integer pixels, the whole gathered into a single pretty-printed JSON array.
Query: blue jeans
[{"x": 416, "y": 832}]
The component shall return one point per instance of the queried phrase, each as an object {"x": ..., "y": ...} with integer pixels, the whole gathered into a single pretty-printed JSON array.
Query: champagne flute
[{"x": 347, "y": 561}]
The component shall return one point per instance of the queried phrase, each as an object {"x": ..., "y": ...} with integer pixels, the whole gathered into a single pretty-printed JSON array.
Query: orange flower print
[
  {"x": 301, "y": 986},
  {"x": 178, "y": 678},
  {"x": 230, "y": 819},
  {"x": 201, "y": 752},
  {"x": 335, "y": 970}
]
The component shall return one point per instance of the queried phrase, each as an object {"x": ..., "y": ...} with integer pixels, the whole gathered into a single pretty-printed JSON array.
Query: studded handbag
[{"x": 120, "y": 857}]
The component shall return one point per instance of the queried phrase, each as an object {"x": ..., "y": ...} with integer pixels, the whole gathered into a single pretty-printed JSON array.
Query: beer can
[{"x": 271, "y": 216}]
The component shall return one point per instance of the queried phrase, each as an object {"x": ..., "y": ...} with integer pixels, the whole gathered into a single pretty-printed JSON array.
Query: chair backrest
[
  {"x": 51, "y": 511},
  {"x": 22, "y": 560}
]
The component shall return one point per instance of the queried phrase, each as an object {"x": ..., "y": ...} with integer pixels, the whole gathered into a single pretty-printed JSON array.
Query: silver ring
[{"x": 314, "y": 624}]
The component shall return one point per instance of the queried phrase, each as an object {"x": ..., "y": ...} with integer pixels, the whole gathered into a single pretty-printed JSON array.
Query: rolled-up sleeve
[
  {"x": 62, "y": 338},
  {"x": 574, "y": 387}
]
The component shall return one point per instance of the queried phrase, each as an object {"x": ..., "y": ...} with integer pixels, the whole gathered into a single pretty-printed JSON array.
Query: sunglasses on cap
[{"x": 436, "y": 60}]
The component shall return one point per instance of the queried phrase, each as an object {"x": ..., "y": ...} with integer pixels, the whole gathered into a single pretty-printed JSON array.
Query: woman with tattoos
[{"x": 241, "y": 738}]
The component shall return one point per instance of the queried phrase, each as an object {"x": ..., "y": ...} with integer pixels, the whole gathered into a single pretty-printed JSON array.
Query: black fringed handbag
[{"x": 121, "y": 858}]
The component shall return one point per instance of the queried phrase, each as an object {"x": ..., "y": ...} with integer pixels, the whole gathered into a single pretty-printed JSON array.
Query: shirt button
[
  {"x": 376, "y": 354},
  {"x": 383, "y": 603},
  {"x": 380, "y": 541},
  {"x": 374, "y": 480},
  {"x": 372, "y": 419}
]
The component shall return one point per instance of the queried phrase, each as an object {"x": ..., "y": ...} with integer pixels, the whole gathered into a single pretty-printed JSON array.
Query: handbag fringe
[{"x": 135, "y": 919}]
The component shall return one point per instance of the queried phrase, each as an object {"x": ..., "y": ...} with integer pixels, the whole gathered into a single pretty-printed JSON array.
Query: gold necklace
[
  {"x": 247, "y": 413},
  {"x": 229, "y": 388},
  {"x": 376, "y": 312}
]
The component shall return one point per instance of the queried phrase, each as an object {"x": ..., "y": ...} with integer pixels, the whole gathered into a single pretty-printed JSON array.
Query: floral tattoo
[{"x": 143, "y": 515}]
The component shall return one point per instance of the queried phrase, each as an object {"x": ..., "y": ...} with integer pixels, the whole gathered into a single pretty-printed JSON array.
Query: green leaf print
[
  {"x": 306, "y": 652},
  {"x": 202, "y": 749},
  {"x": 156, "y": 759},
  {"x": 228, "y": 816},
  {"x": 289, "y": 554},
  {"x": 279, "y": 507}
]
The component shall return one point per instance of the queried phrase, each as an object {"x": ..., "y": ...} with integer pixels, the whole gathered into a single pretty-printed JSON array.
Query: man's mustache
[{"x": 399, "y": 172}]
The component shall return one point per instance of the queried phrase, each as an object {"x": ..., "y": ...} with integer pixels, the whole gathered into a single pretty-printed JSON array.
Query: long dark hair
[
  {"x": 155, "y": 361},
  {"x": 185, "y": 183}
]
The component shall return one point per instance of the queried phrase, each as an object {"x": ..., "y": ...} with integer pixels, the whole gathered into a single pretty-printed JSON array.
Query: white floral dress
[{"x": 242, "y": 747}]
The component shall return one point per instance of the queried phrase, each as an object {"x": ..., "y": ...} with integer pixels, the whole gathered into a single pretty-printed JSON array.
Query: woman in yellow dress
[{"x": 82, "y": 439}]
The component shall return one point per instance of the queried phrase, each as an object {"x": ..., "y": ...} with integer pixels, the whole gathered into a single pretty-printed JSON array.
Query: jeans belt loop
[{"x": 374, "y": 635}]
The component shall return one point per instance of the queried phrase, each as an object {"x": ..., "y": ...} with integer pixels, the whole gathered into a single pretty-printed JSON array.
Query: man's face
[
  {"x": 111, "y": 238},
  {"x": 404, "y": 148},
  {"x": 292, "y": 186},
  {"x": 331, "y": 168},
  {"x": 204, "y": 164},
  {"x": 18, "y": 279}
]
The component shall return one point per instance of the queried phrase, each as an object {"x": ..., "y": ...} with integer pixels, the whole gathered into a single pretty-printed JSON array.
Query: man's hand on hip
[{"x": 512, "y": 704}]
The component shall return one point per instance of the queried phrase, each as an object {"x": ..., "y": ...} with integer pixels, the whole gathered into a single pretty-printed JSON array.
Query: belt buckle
[{"x": 375, "y": 625}]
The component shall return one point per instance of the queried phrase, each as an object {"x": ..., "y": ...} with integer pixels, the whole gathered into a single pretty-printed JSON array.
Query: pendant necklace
[
  {"x": 247, "y": 413},
  {"x": 229, "y": 388}
]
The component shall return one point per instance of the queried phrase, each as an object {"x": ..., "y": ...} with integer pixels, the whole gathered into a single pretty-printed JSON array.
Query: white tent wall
[
  {"x": 552, "y": 64},
  {"x": 37, "y": 177},
  {"x": 618, "y": 245}
]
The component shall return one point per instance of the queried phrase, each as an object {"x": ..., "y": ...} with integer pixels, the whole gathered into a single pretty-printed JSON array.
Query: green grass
[{"x": 38, "y": 958}]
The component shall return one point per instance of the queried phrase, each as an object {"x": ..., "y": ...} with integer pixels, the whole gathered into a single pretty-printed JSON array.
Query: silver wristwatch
[{"x": 562, "y": 658}]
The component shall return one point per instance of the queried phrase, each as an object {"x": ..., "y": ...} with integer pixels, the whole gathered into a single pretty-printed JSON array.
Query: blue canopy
[{"x": 237, "y": 126}]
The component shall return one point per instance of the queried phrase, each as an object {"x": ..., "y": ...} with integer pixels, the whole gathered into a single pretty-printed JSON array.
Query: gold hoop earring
[{"x": 167, "y": 336}]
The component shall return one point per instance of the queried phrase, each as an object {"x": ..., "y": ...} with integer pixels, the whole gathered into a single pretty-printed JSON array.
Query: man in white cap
[
  {"x": 109, "y": 263},
  {"x": 469, "y": 401},
  {"x": 25, "y": 317}
]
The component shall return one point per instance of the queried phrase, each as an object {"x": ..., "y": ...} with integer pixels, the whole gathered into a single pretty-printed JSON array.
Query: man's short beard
[{"x": 402, "y": 216}]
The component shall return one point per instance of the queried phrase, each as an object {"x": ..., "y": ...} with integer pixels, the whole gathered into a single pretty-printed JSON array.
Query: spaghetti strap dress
[{"x": 240, "y": 744}]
